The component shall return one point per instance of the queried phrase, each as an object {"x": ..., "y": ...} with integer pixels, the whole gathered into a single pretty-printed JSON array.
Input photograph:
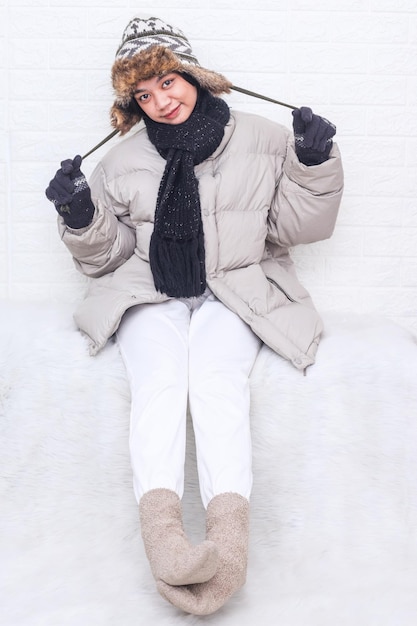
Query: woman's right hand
[{"x": 70, "y": 194}]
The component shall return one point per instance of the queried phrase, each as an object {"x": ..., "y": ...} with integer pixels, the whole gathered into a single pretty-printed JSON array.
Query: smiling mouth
[{"x": 172, "y": 113}]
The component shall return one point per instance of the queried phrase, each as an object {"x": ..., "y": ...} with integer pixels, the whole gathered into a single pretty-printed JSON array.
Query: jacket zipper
[{"x": 271, "y": 280}]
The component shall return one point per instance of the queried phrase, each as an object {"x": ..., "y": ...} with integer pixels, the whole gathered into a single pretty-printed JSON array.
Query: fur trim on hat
[{"x": 155, "y": 61}]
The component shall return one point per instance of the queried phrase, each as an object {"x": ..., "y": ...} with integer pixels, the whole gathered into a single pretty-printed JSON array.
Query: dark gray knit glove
[
  {"x": 70, "y": 193},
  {"x": 313, "y": 136}
]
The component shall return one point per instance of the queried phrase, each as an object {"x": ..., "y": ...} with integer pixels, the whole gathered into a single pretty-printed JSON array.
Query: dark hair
[{"x": 133, "y": 107}]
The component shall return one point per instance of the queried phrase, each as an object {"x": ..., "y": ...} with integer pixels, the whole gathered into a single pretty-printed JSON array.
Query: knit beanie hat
[{"x": 149, "y": 48}]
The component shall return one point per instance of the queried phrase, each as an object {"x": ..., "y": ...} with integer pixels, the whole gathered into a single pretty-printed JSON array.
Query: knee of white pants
[
  {"x": 157, "y": 441},
  {"x": 154, "y": 346},
  {"x": 222, "y": 354},
  {"x": 221, "y": 422}
]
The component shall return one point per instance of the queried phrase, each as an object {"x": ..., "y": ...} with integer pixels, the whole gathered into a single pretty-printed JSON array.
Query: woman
[{"x": 185, "y": 228}]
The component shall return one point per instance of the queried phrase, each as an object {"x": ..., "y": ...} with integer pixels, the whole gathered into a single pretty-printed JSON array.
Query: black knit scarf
[{"x": 176, "y": 252}]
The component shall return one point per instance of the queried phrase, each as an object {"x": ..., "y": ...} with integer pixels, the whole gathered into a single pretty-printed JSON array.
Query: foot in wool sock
[
  {"x": 228, "y": 526},
  {"x": 173, "y": 559}
]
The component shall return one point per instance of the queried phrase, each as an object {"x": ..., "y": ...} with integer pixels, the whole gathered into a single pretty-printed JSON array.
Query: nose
[{"x": 161, "y": 100}]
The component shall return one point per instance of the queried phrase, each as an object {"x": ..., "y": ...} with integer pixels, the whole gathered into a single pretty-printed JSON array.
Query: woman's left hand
[{"x": 313, "y": 136}]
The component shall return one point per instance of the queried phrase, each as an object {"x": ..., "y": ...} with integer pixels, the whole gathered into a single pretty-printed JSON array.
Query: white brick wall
[{"x": 353, "y": 61}]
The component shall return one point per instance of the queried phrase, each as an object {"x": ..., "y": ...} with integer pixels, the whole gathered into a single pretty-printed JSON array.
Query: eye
[
  {"x": 167, "y": 82},
  {"x": 143, "y": 97}
]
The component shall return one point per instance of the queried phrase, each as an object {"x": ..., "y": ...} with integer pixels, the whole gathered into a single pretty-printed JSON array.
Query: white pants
[{"x": 195, "y": 351}]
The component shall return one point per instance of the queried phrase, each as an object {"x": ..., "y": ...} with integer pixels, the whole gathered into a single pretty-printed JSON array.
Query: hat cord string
[{"x": 240, "y": 89}]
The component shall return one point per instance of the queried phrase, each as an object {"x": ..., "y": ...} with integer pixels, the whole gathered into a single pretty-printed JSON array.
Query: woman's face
[{"x": 168, "y": 99}]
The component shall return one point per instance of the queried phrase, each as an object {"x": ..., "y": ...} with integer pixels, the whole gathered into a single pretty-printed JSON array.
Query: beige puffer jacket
[{"x": 257, "y": 201}]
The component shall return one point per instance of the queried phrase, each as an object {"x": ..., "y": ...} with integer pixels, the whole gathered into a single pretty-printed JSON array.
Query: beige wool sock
[
  {"x": 173, "y": 559},
  {"x": 228, "y": 527}
]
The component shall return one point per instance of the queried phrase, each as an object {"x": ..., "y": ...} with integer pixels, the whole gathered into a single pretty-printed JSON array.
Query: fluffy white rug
[{"x": 334, "y": 507}]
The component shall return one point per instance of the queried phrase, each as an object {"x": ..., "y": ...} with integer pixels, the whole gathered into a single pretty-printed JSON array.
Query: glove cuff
[
  {"x": 79, "y": 212},
  {"x": 308, "y": 156}
]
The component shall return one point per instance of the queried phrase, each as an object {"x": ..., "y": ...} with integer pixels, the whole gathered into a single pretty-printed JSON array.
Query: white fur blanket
[{"x": 334, "y": 506}]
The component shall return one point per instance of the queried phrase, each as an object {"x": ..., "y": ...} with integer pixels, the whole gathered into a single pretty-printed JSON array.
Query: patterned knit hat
[{"x": 149, "y": 48}]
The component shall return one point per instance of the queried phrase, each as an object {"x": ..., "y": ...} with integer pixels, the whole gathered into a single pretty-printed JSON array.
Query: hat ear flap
[{"x": 124, "y": 117}]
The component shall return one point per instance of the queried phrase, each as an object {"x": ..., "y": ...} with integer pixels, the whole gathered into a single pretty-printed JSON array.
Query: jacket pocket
[
  {"x": 281, "y": 289},
  {"x": 286, "y": 282}
]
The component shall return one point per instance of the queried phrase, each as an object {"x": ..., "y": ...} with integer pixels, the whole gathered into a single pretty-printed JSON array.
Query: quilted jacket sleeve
[
  {"x": 307, "y": 200},
  {"x": 109, "y": 240}
]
